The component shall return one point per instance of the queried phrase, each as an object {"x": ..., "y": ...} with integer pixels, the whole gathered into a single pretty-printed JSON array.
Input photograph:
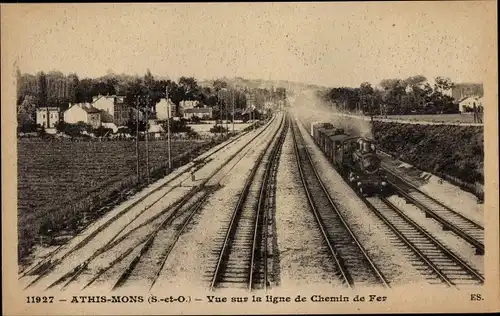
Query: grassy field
[
  {"x": 447, "y": 118},
  {"x": 59, "y": 180}
]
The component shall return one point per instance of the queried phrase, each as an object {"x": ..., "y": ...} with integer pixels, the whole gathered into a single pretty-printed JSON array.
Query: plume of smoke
[{"x": 308, "y": 107}]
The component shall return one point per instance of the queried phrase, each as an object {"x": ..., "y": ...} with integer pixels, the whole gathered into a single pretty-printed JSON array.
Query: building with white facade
[
  {"x": 114, "y": 109},
  {"x": 48, "y": 117},
  {"x": 83, "y": 112},
  {"x": 201, "y": 113},
  {"x": 469, "y": 102},
  {"x": 162, "y": 109}
]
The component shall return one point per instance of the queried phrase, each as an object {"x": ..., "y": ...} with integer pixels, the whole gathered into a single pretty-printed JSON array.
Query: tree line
[
  {"x": 413, "y": 95},
  {"x": 33, "y": 92}
]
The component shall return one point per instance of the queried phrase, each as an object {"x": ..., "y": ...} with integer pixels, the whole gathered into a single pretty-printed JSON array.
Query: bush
[
  {"x": 102, "y": 131},
  {"x": 457, "y": 151},
  {"x": 216, "y": 129},
  {"x": 191, "y": 133},
  {"x": 177, "y": 126},
  {"x": 73, "y": 130}
]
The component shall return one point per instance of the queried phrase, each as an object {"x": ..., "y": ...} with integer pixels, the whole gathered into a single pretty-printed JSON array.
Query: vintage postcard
[{"x": 250, "y": 158}]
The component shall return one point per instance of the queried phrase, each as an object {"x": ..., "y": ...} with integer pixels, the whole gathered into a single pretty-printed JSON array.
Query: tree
[
  {"x": 149, "y": 80},
  {"x": 73, "y": 81},
  {"x": 131, "y": 124},
  {"x": 26, "y": 115},
  {"x": 443, "y": 84},
  {"x": 73, "y": 130},
  {"x": 219, "y": 84},
  {"x": 28, "y": 107},
  {"x": 189, "y": 88},
  {"x": 177, "y": 126},
  {"x": 83, "y": 91},
  {"x": 19, "y": 78},
  {"x": 415, "y": 81},
  {"x": 366, "y": 92},
  {"x": 42, "y": 89},
  {"x": 394, "y": 95}
]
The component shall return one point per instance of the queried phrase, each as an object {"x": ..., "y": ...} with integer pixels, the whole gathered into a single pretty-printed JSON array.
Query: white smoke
[{"x": 309, "y": 108}]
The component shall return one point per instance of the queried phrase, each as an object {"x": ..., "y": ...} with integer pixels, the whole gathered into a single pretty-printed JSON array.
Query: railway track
[
  {"x": 435, "y": 261},
  {"x": 145, "y": 263},
  {"x": 48, "y": 262},
  {"x": 353, "y": 265},
  {"x": 242, "y": 258},
  {"x": 449, "y": 219},
  {"x": 159, "y": 221}
]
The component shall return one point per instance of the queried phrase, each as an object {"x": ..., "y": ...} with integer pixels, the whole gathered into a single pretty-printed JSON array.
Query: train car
[
  {"x": 353, "y": 156},
  {"x": 325, "y": 140},
  {"x": 315, "y": 126}
]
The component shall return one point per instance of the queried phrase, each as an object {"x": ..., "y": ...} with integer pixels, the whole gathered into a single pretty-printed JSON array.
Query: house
[
  {"x": 155, "y": 129},
  {"x": 463, "y": 90},
  {"x": 83, "y": 112},
  {"x": 187, "y": 104},
  {"x": 114, "y": 109},
  {"x": 468, "y": 103},
  {"x": 202, "y": 113},
  {"x": 162, "y": 109},
  {"x": 48, "y": 117}
]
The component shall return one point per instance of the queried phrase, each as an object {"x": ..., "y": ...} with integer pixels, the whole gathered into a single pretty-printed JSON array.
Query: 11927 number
[{"x": 39, "y": 299}]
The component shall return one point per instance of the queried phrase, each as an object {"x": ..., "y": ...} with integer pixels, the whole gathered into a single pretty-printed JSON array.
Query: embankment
[{"x": 452, "y": 152}]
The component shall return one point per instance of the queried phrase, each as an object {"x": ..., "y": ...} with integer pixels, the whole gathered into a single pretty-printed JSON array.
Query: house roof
[
  {"x": 90, "y": 109},
  {"x": 156, "y": 129},
  {"x": 45, "y": 108},
  {"x": 120, "y": 97}
]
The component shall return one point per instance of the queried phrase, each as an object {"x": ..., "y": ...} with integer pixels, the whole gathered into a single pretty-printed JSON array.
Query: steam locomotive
[{"x": 355, "y": 157}]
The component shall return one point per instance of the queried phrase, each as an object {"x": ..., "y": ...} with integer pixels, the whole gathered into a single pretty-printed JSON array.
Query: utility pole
[
  {"x": 168, "y": 130},
  {"x": 253, "y": 118},
  {"x": 147, "y": 132},
  {"x": 227, "y": 127},
  {"x": 137, "y": 135},
  {"x": 232, "y": 100}
]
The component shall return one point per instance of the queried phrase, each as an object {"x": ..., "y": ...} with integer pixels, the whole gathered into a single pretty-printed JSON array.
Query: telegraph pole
[
  {"x": 146, "y": 131},
  {"x": 168, "y": 130},
  {"x": 232, "y": 100},
  {"x": 227, "y": 128},
  {"x": 137, "y": 135}
]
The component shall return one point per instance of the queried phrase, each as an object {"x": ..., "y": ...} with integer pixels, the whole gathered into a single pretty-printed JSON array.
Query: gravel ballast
[{"x": 368, "y": 228}]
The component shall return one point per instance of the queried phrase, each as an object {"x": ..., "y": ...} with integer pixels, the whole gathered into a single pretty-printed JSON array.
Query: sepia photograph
[{"x": 242, "y": 158}]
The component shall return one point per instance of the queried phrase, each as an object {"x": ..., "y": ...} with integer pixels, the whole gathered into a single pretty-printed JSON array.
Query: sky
[{"x": 330, "y": 44}]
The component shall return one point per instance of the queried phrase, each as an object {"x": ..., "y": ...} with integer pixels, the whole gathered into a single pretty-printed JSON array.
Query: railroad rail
[
  {"x": 441, "y": 264},
  {"x": 72, "y": 275},
  {"x": 465, "y": 228},
  {"x": 47, "y": 263},
  {"x": 242, "y": 259},
  {"x": 353, "y": 264},
  {"x": 449, "y": 219}
]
